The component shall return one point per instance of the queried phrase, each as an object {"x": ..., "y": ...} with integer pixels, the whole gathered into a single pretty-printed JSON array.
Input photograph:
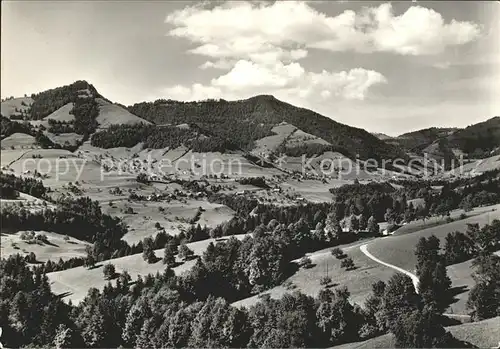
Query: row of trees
[
  {"x": 86, "y": 111},
  {"x": 386, "y": 203},
  {"x": 157, "y": 137},
  {"x": 477, "y": 243},
  {"x": 152, "y": 136},
  {"x": 8, "y": 127},
  {"x": 311, "y": 149},
  {"x": 80, "y": 218},
  {"x": 460, "y": 247},
  {"x": 57, "y": 127},
  {"x": 193, "y": 310},
  {"x": 11, "y": 185}
]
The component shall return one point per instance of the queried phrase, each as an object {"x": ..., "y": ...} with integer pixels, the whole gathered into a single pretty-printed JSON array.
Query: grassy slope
[
  {"x": 9, "y": 107},
  {"x": 399, "y": 249},
  {"x": 61, "y": 114},
  {"x": 146, "y": 214},
  {"x": 74, "y": 283},
  {"x": 18, "y": 141},
  {"x": 111, "y": 114},
  {"x": 57, "y": 247},
  {"x": 358, "y": 281},
  {"x": 482, "y": 334}
]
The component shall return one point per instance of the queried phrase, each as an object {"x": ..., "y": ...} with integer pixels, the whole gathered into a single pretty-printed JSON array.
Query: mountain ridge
[
  {"x": 250, "y": 119},
  {"x": 243, "y": 122}
]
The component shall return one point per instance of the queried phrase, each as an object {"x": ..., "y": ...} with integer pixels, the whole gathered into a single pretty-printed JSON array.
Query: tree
[
  {"x": 421, "y": 329},
  {"x": 373, "y": 226},
  {"x": 434, "y": 282},
  {"x": 484, "y": 297},
  {"x": 399, "y": 298},
  {"x": 434, "y": 285},
  {"x": 391, "y": 215},
  {"x": 332, "y": 225},
  {"x": 353, "y": 223},
  {"x": 90, "y": 262},
  {"x": 347, "y": 263},
  {"x": 458, "y": 248},
  {"x": 336, "y": 318},
  {"x": 148, "y": 253},
  {"x": 305, "y": 262},
  {"x": 109, "y": 271},
  {"x": 64, "y": 337},
  {"x": 409, "y": 214},
  {"x": 185, "y": 253},
  {"x": 337, "y": 253},
  {"x": 427, "y": 250},
  {"x": 168, "y": 256},
  {"x": 423, "y": 212},
  {"x": 363, "y": 223}
]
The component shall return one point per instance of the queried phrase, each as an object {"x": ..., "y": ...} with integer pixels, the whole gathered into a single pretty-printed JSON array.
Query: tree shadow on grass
[
  {"x": 455, "y": 291},
  {"x": 47, "y": 242},
  {"x": 332, "y": 285},
  {"x": 64, "y": 294},
  {"x": 95, "y": 266}
]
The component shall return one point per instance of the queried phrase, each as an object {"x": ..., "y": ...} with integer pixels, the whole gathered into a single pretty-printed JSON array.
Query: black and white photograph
[{"x": 250, "y": 174}]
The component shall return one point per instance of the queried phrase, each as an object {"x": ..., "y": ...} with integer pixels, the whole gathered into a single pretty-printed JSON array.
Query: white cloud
[
  {"x": 249, "y": 75},
  {"x": 283, "y": 30},
  {"x": 290, "y": 81},
  {"x": 221, "y": 64},
  {"x": 194, "y": 93}
]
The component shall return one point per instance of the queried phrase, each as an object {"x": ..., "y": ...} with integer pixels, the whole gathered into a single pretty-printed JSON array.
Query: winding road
[{"x": 414, "y": 278}]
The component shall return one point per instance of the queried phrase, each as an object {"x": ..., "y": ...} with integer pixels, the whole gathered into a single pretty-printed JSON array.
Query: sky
[{"x": 388, "y": 67}]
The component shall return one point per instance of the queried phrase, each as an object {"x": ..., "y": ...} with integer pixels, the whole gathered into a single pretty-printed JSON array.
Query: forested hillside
[
  {"x": 479, "y": 139},
  {"x": 47, "y": 102},
  {"x": 418, "y": 140},
  {"x": 245, "y": 121}
]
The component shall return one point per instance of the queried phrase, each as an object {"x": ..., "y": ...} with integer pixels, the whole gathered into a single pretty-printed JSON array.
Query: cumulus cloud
[
  {"x": 259, "y": 46},
  {"x": 290, "y": 81},
  {"x": 284, "y": 30}
]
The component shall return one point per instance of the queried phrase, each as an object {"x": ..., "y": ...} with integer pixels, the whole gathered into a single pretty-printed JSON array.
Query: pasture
[
  {"x": 73, "y": 284},
  {"x": 56, "y": 247}
]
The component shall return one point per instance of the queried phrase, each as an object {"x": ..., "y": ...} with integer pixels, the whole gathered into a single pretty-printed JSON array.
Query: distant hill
[
  {"x": 262, "y": 125},
  {"x": 478, "y": 140},
  {"x": 382, "y": 136},
  {"x": 66, "y": 114},
  {"x": 245, "y": 121},
  {"x": 416, "y": 141}
]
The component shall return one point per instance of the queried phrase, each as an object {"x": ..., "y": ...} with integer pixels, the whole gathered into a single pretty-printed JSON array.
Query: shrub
[
  {"x": 337, "y": 252},
  {"x": 305, "y": 262},
  {"x": 27, "y": 235},
  {"x": 42, "y": 238},
  {"x": 347, "y": 264},
  {"x": 109, "y": 271},
  {"x": 325, "y": 280}
]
